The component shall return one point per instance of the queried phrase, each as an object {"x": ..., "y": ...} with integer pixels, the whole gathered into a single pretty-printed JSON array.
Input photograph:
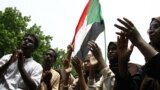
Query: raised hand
[
  {"x": 129, "y": 30},
  {"x": 94, "y": 48},
  {"x": 92, "y": 67},
  {"x": 131, "y": 33},
  {"x": 123, "y": 58},
  {"x": 122, "y": 46},
  {"x": 93, "y": 61},
  {"x": 77, "y": 63},
  {"x": 96, "y": 51},
  {"x": 67, "y": 66},
  {"x": 69, "y": 51}
]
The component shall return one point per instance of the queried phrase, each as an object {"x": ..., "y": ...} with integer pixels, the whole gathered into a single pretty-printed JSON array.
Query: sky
[{"x": 59, "y": 18}]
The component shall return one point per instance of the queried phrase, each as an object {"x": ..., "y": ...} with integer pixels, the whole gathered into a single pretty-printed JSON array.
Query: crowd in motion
[{"x": 19, "y": 71}]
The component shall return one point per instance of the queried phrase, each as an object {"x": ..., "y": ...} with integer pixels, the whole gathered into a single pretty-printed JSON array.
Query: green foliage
[
  {"x": 12, "y": 25},
  {"x": 61, "y": 56},
  {"x": 12, "y": 28},
  {"x": 59, "y": 62}
]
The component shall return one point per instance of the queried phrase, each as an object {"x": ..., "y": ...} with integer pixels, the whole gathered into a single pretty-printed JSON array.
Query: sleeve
[
  {"x": 55, "y": 80},
  {"x": 4, "y": 59},
  {"x": 37, "y": 74},
  {"x": 152, "y": 67}
]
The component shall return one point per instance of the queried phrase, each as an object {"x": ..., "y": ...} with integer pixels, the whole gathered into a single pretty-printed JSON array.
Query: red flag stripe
[{"x": 81, "y": 21}]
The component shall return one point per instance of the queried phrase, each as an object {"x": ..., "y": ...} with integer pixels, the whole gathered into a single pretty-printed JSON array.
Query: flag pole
[{"x": 105, "y": 45}]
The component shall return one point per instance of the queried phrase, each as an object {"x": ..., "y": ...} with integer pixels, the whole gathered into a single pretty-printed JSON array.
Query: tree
[
  {"x": 59, "y": 62},
  {"x": 61, "y": 56},
  {"x": 13, "y": 26}
]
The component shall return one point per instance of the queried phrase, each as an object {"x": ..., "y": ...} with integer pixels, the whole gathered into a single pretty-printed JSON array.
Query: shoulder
[
  {"x": 32, "y": 64},
  {"x": 7, "y": 56},
  {"x": 55, "y": 73},
  {"x": 5, "y": 59}
]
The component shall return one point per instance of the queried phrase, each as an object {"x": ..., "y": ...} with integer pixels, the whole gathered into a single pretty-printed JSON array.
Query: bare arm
[
  {"x": 96, "y": 51},
  {"x": 28, "y": 81},
  {"x": 78, "y": 67},
  {"x": 69, "y": 52},
  {"x": 92, "y": 67},
  {"x": 67, "y": 68},
  {"x": 97, "y": 58},
  {"x": 134, "y": 36},
  {"x": 123, "y": 58}
]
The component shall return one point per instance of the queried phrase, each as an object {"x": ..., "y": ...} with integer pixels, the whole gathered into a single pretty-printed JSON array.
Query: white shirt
[{"x": 12, "y": 79}]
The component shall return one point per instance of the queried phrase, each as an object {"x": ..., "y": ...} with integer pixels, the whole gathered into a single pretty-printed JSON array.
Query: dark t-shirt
[
  {"x": 150, "y": 69},
  {"x": 153, "y": 67}
]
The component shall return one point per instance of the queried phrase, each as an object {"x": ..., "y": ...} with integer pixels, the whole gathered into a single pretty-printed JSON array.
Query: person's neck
[
  {"x": 27, "y": 55},
  {"x": 46, "y": 68}
]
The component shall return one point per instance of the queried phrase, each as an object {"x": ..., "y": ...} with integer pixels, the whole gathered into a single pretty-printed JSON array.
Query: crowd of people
[{"x": 19, "y": 71}]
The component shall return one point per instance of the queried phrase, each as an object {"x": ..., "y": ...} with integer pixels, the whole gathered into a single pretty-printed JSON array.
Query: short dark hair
[
  {"x": 55, "y": 54},
  {"x": 112, "y": 43},
  {"x": 87, "y": 57},
  {"x": 36, "y": 41}
]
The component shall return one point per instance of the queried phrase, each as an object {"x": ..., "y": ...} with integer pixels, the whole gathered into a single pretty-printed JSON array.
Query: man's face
[
  {"x": 28, "y": 44},
  {"x": 154, "y": 32},
  {"x": 86, "y": 64},
  {"x": 49, "y": 58},
  {"x": 113, "y": 57},
  {"x": 112, "y": 53}
]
